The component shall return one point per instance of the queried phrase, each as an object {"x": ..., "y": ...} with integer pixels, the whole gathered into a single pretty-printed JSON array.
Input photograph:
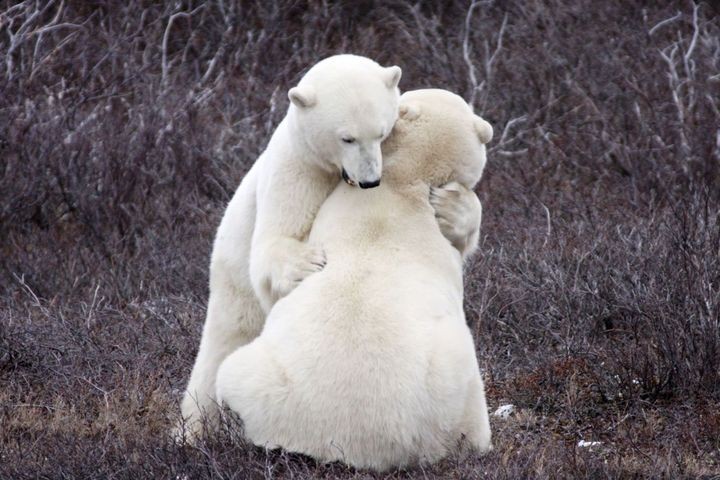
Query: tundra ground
[{"x": 594, "y": 299}]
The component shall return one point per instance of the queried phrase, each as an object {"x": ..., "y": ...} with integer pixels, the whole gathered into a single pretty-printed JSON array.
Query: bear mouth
[{"x": 347, "y": 179}]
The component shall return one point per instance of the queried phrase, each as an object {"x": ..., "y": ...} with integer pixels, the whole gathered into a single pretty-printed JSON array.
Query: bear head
[
  {"x": 343, "y": 108},
  {"x": 436, "y": 139}
]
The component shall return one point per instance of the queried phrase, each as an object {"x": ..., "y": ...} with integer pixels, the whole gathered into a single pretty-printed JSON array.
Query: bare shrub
[{"x": 595, "y": 297}]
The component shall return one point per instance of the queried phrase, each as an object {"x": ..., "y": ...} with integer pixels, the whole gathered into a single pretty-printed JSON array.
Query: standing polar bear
[
  {"x": 370, "y": 361},
  {"x": 340, "y": 112}
]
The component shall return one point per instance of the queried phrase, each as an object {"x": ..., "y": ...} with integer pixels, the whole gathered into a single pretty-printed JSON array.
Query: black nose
[{"x": 372, "y": 184}]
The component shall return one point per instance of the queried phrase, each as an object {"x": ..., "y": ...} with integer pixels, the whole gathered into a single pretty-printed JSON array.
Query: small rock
[
  {"x": 585, "y": 444},
  {"x": 504, "y": 411}
]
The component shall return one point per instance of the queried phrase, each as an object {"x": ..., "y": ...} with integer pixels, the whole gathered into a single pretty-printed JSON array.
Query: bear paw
[
  {"x": 458, "y": 212},
  {"x": 302, "y": 262}
]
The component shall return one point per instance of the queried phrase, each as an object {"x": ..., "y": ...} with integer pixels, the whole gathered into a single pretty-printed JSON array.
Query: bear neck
[{"x": 410, "y": 159}]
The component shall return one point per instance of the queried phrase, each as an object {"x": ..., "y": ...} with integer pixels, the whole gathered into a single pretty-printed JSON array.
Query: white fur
[
  {"x": 260, "y": 253},
  {"x": 459, "y": 213},
  {"x": 370, "y": 360}
]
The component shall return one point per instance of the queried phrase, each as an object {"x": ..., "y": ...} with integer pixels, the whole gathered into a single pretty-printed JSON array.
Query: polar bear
[
  {"x": 370, "y": 361},
  {"x": 340, "y": 112}
]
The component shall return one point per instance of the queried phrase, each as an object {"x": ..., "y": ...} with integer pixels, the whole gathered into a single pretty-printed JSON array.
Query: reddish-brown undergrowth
[{"x": 594, "y": 299}]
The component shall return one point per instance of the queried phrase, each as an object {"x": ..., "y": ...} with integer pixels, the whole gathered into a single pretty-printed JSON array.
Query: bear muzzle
[{"x": 364, "y": 185}]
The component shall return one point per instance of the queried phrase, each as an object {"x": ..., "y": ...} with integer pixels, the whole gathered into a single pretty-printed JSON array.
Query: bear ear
[
  {"x": 409, "y": 112},
  {"x": 483, "y": 129},
  {"x": 392, "y": 76},
  {"x": 302, "y": 96}
]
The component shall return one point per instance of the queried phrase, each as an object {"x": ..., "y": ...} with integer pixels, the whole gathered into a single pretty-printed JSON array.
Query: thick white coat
[{"x": 370, "y": 361}]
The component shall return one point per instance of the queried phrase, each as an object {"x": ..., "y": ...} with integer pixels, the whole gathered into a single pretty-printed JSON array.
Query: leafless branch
[
  {"x": 466, "y": 51},
  {"x": 166, "y": 37},
  {"x": 662, "y": 23}
]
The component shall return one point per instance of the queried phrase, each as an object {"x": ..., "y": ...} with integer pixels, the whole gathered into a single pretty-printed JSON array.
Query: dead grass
[{"x": 595, "y": 298}]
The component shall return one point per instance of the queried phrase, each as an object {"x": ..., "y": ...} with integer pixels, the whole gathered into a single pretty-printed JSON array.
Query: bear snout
[{"x": 362, "y": 184}]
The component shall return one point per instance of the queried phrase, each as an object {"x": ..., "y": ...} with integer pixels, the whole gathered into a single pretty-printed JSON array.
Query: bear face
[
  {"x": 437, "y": 139},
  {"x": 344, "y": 107}
]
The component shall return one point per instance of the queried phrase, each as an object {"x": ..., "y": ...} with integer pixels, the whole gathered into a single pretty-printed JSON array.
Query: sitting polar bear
[{"x": 370, "y": 361}]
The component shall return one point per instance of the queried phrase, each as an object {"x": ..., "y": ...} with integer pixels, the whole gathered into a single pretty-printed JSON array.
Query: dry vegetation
[{"x": 595, "y": 298}]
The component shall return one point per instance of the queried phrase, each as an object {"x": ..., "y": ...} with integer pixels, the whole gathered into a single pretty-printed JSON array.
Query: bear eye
[{"x": 348, "y": 139}]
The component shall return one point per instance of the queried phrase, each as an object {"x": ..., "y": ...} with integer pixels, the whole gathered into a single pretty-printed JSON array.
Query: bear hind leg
[
  {"x": 475, "y": 425},
  {"x": 256, "y": 387}
]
